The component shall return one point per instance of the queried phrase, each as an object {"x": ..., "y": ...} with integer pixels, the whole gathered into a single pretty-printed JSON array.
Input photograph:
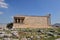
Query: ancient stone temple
[{"x": 32, "y": 21}]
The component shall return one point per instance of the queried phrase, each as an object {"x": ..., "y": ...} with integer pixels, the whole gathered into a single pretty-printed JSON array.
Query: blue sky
[{"x": 9, "y": 8}]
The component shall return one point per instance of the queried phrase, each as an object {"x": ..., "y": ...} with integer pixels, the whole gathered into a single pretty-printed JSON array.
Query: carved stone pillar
[
  {"x": 17, "y": 21},
  {"x": 20, "y": 21}
]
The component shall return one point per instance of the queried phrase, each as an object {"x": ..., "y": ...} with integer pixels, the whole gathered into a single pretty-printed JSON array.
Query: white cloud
[
  {"x": 1, "y": 0},
  {"x": 1, "y": 13},
  {"x": 3, "y": 4}
]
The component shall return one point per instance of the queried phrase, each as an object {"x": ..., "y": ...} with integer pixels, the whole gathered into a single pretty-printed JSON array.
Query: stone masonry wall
[{"x": 34, "y": 22}]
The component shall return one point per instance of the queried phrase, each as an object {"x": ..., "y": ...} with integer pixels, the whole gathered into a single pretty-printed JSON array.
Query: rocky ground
[{"x": 30, "y": 34}]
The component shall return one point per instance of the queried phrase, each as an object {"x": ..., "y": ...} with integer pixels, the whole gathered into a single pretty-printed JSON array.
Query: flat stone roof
[{"x": 29, "y": 16}]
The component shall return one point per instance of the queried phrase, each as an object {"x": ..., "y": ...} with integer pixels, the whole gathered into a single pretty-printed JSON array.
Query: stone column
[
  {"x": 17, "y": 20},
  {"x": 20, "y": 21},
  {"x": 49, "y": 19}
]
